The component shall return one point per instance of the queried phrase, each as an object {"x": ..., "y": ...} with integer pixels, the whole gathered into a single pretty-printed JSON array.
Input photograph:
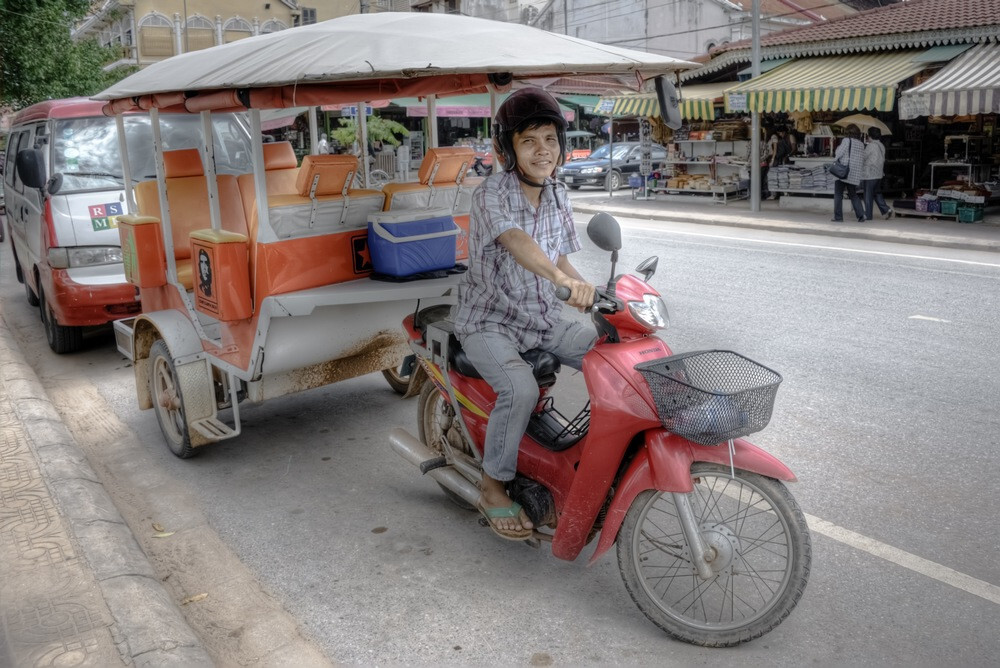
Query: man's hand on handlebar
[{"x": 581, "y": 293}]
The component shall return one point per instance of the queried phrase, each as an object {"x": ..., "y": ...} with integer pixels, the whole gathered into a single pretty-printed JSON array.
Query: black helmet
[{"x": 524, "y": 109}]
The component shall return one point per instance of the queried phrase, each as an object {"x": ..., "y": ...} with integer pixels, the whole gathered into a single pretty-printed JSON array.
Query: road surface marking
[
  {"x": 815, "y": 246},
  {"x": 899, "y": 557},
  {"x": 927, "y": 317}
]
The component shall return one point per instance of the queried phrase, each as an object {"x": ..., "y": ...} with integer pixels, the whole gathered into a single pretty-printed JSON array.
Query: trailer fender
[{"x": 180, "y": 336}]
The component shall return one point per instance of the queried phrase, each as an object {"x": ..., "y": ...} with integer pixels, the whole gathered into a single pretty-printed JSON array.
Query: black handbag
[{"x": 839, "y": 170}]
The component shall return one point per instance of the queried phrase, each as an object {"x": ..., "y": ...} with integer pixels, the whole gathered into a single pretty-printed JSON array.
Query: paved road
[{"x": 890, "y": 359}]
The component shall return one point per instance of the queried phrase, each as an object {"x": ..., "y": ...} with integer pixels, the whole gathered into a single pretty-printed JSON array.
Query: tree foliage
[
  {"x": 379, "y": 129},
  {"x": 38, "y": 58}
]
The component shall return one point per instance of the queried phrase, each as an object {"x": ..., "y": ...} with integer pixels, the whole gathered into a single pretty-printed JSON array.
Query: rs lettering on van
[{"x": 105, "y": 216}]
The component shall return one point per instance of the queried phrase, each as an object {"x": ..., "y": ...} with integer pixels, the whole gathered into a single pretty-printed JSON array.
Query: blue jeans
[
  {"x": 873, "y": 195},
  {"x": 497, "y": 360},
  {"x": 838, "y": 200}
]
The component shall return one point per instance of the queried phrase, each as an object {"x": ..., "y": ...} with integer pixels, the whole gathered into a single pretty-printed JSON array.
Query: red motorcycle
[{"x": 711, "y": 545}]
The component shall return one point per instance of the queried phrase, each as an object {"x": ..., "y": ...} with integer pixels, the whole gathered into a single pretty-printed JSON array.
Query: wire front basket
[{"x": 711, "y": 396}]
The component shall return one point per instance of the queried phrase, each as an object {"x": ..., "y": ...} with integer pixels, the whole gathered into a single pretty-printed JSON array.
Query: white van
[{"x": 64, "y": 192}]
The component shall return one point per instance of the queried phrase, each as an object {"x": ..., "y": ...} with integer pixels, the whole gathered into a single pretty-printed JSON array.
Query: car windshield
[
  {"x": 601, "y": 153},
  {"x": 85, "y": 150}
]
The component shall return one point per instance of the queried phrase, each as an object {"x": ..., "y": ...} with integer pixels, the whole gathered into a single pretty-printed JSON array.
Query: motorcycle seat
[{"x": 544, "y": 365}]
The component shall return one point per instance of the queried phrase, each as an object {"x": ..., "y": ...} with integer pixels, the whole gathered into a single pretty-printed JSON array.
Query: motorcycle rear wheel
[
  {"x": 762, "y": 563},
  {"x": 435, "y": 421}
]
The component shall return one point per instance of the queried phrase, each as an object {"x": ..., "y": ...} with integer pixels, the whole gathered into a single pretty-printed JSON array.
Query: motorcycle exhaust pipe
[{"x": 412, "y": 450}]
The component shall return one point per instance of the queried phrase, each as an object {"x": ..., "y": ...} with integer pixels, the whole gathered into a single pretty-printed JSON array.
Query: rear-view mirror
[
  {"x": 605, "y": 232},
  {"x": 670, "y": 102},
  {"x": 30, "y": 164}
]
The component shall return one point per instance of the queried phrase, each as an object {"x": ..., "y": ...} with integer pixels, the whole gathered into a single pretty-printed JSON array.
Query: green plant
[{"x": 379, "y": 129}]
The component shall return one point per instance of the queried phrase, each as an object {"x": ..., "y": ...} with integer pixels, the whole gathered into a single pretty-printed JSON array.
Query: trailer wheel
[{"x": 168, "y": 402}]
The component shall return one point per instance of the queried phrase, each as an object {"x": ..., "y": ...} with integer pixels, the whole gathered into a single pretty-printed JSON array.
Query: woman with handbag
[{"x": 851, "y": 153}]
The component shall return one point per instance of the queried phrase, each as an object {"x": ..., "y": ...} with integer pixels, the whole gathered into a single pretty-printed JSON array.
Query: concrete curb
[
  {"x": 844, "y": 230},
  {"x": 152, "y": 629}
]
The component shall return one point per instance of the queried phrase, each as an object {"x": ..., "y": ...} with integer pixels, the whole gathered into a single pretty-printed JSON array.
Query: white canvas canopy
[{"x": 373, "y": 56}]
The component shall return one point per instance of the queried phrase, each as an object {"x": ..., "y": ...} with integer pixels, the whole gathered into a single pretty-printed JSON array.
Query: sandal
[{"x": 493, "y": 514}]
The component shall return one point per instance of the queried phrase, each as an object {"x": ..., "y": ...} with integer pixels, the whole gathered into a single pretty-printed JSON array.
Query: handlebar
[{"x": 563, "y": 293}]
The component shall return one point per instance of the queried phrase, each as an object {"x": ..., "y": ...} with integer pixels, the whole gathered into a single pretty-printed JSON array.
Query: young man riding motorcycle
[{"x": 521, "y": 233}]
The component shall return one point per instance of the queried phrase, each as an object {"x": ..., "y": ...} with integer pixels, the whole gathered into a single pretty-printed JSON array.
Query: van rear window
[{"x": 85, "y": 150}]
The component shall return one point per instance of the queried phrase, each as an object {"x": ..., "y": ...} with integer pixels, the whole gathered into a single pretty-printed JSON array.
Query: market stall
[
  {"x": 968, "y": 174},
  {"x": 706, "y": 156}
]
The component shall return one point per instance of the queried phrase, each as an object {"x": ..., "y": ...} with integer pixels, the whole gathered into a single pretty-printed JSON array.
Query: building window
[
  {"x": 274, "y": 25},
  {"x": 200, "y": 33},
  {"x": 156, "y": 36},
  {"x": 235, "y": 29},
  {"x": 306, "y": 17}
]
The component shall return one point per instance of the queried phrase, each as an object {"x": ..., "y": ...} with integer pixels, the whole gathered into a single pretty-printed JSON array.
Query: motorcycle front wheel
[{"x": 761, "y": 558}]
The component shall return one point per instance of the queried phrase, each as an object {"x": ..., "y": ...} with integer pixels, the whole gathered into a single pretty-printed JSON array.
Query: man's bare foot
[{"x": 506, "y": 518}]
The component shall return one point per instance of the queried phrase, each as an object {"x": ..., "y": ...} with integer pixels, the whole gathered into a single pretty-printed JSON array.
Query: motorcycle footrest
[{"x": 429, "y": 465}]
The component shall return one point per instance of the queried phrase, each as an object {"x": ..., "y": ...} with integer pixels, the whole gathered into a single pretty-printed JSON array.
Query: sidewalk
[
  {"x": 75, "y": 587},
  {"x": 901, "y": 229}
]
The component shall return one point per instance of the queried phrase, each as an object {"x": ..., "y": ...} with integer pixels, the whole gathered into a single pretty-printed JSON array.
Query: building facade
[{"x": 146, "y": 31}]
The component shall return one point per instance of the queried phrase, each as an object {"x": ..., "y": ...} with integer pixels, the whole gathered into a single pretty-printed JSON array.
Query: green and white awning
[
  {"x": 698, "y": 102},
  {"x": 831, "y": 83}
]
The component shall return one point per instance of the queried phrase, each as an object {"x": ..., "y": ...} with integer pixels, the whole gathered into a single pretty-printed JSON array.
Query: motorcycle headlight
[
  {"x": 84, "y": 256},
  {"x": 651, "y": 311}
]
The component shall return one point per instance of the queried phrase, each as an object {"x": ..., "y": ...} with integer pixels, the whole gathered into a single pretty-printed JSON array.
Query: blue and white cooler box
[{"x": 404, "y": 243}]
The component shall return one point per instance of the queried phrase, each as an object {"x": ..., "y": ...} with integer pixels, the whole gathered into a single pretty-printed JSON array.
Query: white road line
[
  {"x": 899, "y": 557},
  {"x": 927, "y": 317},
  {"x": 645, "y": 228}
]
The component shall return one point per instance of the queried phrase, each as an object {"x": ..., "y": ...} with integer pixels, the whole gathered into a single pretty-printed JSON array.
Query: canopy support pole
[
  {"x": 313, "y": 131},
  {"x": 432, "y": 122},
  {"x": 259, "y": 177},
  {"x": 130, "y": 204},
  {"x": 168, "y": 234},
  {"x": 363, "y": 140},
  {"x": 208, "y": 153}
]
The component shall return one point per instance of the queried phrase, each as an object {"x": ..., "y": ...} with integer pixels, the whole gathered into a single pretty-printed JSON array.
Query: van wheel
[
  {"x": 61, "y": 339},
  {"x": 31, "y": 296},
  {"x": 28, "y": 292},
  {"x": 168, "y": 402},
  {"x": 17, "y": 266}
]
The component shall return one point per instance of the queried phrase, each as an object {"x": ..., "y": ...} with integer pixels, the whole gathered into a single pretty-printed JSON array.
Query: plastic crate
[
  {"x": 634, "y": 180},
  {"x": 711, "y": 396},
  {"x": 949, "y": 207},
  {"x": 402, "y": 243},
  {"x": 970, "y": 213}
]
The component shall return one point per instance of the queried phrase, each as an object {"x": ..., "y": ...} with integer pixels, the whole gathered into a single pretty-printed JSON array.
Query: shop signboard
[{"x": 737, "y": 102}]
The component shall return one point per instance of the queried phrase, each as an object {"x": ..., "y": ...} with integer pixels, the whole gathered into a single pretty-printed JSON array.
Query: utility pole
[{"x": 755, "y": 115}]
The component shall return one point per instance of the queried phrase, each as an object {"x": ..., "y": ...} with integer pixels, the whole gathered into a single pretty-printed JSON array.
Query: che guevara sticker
[{"x": 105, "y": 216}]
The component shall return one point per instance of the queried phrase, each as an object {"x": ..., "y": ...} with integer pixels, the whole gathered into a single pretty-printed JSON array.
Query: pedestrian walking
[
  {"x": 850, "y": 152},
  {"x": 872, "y": 172}
]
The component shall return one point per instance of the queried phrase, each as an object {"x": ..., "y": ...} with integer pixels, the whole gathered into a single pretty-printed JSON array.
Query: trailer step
[{"x": 213, "y": 428}]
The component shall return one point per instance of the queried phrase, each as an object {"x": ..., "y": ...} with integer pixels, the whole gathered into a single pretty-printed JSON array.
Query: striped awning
[
  {"x": 970, "y": 84},
  {"x": 697, "y": 102},
  {"x": 830, "y": 83},
  {"x": 634, "y": 104}
]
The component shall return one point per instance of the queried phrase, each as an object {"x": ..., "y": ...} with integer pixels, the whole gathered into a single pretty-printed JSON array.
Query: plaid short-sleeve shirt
[{"x": 496, "y": 293}]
